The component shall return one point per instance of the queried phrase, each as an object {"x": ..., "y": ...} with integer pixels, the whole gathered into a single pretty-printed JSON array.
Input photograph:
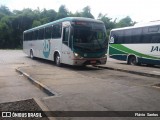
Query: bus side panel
[
  {"x": 47, "y": 47},
  {"x": 119, "y": 57},
  {"x": 55, "y": 46},
  {"x": 38, "y": 48},
  {"x": 149, "y": 61},
  {"x": 67, "y": 55},
  {"x": 146, "y": 53},
  {"x": 116, "y": 52},
  {"x": 35, "y": 46},
  {"x": 143, "y": 50},
  {"x": 27, "y": 46}
]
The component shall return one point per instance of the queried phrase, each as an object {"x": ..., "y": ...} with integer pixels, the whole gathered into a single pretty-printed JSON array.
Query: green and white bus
[
  {"x": 72, "y": 40},
  {"x": 139, "y": 44}
]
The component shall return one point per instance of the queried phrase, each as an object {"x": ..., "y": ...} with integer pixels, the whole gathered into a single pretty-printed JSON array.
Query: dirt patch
[{"x": 21, "y": 106}]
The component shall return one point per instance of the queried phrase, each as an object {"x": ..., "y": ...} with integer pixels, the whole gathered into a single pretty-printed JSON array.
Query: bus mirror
[{"x": 111, "y": 40}]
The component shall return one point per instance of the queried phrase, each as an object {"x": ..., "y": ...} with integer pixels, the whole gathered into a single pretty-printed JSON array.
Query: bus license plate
[{"x": 92, "y": 62}]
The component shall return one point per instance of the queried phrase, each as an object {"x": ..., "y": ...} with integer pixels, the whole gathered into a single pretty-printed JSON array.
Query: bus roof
[
  {"x": 65, "y": 19},
  {"x": 138, "y": 25},
  {"x": 152, "y": 23}
]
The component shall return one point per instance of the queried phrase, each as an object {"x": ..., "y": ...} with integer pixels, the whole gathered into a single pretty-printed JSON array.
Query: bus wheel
[
  {"x": 57, "y": 60},
  {"x": 132, "y": 60},
  {"x": 31, "y": 54}
]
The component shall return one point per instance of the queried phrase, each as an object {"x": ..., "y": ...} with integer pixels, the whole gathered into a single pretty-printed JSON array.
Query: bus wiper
[{"x": 99, "y": 43}]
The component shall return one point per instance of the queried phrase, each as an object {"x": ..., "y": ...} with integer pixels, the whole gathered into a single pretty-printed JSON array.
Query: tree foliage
[
  {"x": 109, "y": 24},
  {"x": 12, "y": 24},
  {"x": 63, "y": 12},
  {"x": 87, "y": 12},
  {"x": 127, "y": 21}
]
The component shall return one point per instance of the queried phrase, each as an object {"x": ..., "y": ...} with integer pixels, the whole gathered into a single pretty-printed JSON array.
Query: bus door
[{"x": 66, "y": 52}]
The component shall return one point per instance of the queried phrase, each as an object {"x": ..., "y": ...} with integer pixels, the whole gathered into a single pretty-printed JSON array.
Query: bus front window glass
[{"x": 88, "y": 38}]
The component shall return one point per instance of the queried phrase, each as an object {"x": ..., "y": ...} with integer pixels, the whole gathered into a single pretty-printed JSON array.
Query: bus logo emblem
[
  {"x": 155, "y": 48},
  {"x": 46, "y": 48}
]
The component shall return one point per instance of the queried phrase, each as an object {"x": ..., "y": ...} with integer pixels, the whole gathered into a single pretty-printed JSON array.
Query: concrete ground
[
  {"x": 92, "y": 88},
  {"x": 13, "y": 86},
  {"x": 153, "y": 71},
  {"x": 96, "y": 89}
]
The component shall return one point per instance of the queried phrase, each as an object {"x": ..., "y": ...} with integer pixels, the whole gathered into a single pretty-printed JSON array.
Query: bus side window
[
  {"x": 128, "y": 36},
  {"x": 153, "y": 29},
  {"x": 120, "y": 37},
  {"x": 155, "y": 38},
  {"x": 56, "y": 32},
  {"x": 27, "y": 36},
  {"x": 137, "y": 35},
  {"x": 145, "y": 36},
  {"x": 65, "y": 35},
  {"x": 154, "y": 35},
  {"x": 35, "y": 34},
  {"x": 41, "y": 34},
  {"x": 48, "y": 31},
  {"x": 30, "y": 35}
]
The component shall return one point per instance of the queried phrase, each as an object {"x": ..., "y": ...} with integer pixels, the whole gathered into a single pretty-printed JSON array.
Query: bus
[
  {"x": 138, "y": 44},
  {"x": 73, "y": 40}
]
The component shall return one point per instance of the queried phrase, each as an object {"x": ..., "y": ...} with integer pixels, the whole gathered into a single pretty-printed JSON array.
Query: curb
[
  {"x": 41, "y": 86},
  {"x": 129, "y": 71}
]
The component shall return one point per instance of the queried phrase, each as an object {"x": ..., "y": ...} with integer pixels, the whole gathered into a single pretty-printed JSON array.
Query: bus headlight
[{"x": 76, "y": 55}]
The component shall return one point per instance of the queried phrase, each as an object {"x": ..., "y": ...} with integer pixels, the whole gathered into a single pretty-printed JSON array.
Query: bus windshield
[{"x": 89, "y": 37}]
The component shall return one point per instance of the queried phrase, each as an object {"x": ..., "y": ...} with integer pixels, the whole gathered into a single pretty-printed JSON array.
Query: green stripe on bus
[
  {"x": 126, "y": 50},
  {"x": 113, "y": 50}
]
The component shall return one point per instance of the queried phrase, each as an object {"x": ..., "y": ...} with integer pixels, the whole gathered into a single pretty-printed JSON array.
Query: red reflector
[{"x": 92, "y": 62}]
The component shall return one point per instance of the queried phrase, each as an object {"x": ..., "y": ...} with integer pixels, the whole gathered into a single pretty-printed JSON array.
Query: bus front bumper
[{"x": 89, "y": 61}]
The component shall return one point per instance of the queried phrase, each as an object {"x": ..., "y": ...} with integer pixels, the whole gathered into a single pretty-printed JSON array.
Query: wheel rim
[
  {"x": 133, "y": 61},
  {"x": 58, "y": 60},
  {"x": 31, "y": 55}
]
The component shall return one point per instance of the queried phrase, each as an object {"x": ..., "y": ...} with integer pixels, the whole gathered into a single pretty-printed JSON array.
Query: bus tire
[
  {"x": 57, "y": 60},
  {"x": 132, "y": 60},
  {"x": 31, "y": 54}
]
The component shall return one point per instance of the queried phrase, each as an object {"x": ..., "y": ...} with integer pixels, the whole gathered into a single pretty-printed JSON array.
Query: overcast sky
[{"x": 138, "y": 10}]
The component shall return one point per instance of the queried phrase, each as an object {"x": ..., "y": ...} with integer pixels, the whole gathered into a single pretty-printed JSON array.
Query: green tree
[
  {"x": 109, "y": 24},
  {"x": 12, "y": 24},
  {"x": 49, "y": 14},
  {"x": 124, "y": 22},
  {"x": 17, "y": 12},
  {"x": 5, "y": 10},
  {"x": 5, "y": 32},
  {"x": 1, "y": 15},
  {"x": 62, "y": 12},
  {"x": 22, "y": 20},
  {"x": 87, "y": 12},
  {"x": 77, "y": 14},
  {"x": 36, "y": 23}
]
